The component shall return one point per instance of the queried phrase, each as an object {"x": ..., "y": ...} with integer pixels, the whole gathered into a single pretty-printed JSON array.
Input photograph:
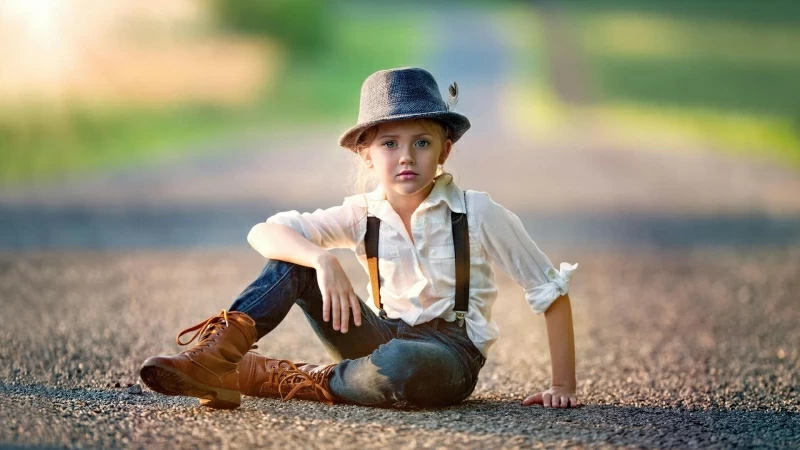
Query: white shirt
[{"x": 418, "y": 278}]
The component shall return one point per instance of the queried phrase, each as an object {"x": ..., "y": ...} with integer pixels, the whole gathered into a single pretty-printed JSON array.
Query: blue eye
[
  {"x": 390, "y": 142},
  {"x": 426, "y": 143}
]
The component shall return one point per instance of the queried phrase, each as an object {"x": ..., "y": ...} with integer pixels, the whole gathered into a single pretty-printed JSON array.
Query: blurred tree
[{"x": 302, "y": 25}]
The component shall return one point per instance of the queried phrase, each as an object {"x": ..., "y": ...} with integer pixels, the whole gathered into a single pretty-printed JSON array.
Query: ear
[
  {"x": 366, "y": 157},
  {"x": 446, "y": 147}
]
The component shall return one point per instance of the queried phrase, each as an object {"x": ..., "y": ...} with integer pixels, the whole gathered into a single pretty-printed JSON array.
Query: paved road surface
[{"x": 674, "y": 349}]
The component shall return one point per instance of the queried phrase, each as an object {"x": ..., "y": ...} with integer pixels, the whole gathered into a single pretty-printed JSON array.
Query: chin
[{"x": 409, "y": 188}]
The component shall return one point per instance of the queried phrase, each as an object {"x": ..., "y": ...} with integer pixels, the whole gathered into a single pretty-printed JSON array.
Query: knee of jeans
[
  {"x": 285, "y": 266},
  {"x": 276, "y": 270}
]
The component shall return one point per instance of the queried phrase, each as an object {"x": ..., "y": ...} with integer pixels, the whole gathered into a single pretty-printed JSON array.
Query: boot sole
[{"x": 169, "y": 381}]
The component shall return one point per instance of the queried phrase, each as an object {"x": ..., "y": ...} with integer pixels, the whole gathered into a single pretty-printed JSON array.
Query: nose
[{"x": 407, "y": 156}]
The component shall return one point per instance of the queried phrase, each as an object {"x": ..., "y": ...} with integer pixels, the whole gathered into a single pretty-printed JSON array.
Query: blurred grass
[
  {"x": 695, "y": 61},
  {"x": 39, "y": 143},
  {"x": 770, "y": 13},
  {"x": 687, "y": 82},
  {"x": 724, "y": 72},
  {"x": 299, "y": 24}
]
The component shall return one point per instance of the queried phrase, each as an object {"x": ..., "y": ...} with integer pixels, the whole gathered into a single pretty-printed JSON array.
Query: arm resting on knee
[{"x": 276, "y": 241}]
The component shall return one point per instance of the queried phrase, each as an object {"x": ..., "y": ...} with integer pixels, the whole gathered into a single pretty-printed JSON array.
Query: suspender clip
[
  {"x": 382, "y": 314},
  {"x": 460, "y": 318}
]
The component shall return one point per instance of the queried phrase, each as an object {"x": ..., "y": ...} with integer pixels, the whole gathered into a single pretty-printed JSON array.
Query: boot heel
[{"x": 222, "y": 399}]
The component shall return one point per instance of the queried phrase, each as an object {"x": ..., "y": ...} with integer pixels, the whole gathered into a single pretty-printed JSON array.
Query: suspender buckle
[
  {"x": 382, "y": 314},
  {"x": 460, "y": 318}
]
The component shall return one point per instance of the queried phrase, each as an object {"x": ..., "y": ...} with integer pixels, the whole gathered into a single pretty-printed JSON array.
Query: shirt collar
[{"x": 444, "y": 190}]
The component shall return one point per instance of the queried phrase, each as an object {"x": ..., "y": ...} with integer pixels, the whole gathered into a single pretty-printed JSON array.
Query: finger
[
  {"x": 547, "y": 400},
  {"x": 356, "y": 307},
  {"x": 535, "y": 399},
  {"x": 345, "y": 305},
  {"x": 326, "y": 306},
  {"x": 573, "y": 401},
  {"x": 564, "y": 402},
  {"x": 336, "y": 310}
]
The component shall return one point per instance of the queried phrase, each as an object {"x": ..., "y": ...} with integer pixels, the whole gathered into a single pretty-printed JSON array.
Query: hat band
[{"x": 397, "y": 109}]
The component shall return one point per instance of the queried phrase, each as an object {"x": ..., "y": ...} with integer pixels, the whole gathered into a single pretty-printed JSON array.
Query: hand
[
  {"x": 338, "y": 296},
  {"x": 555, "y": 397}
]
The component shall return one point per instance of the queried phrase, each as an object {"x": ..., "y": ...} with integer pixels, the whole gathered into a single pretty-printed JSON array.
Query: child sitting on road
[{"x": 428, "y": 247}]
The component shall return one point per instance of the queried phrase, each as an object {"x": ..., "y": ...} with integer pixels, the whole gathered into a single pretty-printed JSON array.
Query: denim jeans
[{"x": 383, "y": 362}]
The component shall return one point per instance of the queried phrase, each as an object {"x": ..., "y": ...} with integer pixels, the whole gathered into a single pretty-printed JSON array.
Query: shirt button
[{"x": 433, "y": 252}]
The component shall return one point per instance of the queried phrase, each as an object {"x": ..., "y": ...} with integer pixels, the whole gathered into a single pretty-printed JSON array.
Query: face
[{"x": 405, "y": 155}]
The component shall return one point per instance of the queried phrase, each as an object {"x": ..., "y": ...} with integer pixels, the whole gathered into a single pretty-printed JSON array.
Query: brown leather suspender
[
  {"x": 371, "y": 244},
  {"x": 460, "y": 229}
]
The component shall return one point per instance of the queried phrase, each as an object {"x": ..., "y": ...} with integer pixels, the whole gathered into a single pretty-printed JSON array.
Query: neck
[{"x": 405, "y": 205}]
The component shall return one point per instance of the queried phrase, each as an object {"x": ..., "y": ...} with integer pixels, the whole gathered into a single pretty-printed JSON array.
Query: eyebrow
[{"x": 395, "y": 135}]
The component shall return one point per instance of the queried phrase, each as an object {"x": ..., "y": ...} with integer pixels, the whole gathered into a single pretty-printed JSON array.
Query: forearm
[
  {"x": 275, "y": 241},
  {"x": 562, "y": 342}
]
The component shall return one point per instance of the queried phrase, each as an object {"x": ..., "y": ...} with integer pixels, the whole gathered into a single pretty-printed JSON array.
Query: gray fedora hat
[{"x": 404, "y": 93}]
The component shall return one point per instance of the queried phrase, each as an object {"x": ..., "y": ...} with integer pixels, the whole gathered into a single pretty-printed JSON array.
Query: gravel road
[{"x": 681, "y": 349}]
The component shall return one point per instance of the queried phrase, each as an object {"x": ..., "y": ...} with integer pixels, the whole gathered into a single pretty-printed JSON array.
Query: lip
[{"x": 407, "y": 175}]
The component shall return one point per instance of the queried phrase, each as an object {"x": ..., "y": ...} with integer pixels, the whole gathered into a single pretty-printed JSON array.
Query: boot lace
[
  {"x": 295, "y": 380},
  {"x": 205, "y": 330}
]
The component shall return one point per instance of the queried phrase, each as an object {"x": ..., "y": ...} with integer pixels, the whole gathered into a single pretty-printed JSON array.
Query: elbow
[{"x": 255, "y": 232}]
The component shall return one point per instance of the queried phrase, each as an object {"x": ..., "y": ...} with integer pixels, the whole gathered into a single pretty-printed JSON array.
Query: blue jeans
[{"x": 383, "y": 362}]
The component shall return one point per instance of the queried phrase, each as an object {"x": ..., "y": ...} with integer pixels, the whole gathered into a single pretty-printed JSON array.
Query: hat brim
[{"x": 458, "y": 124}]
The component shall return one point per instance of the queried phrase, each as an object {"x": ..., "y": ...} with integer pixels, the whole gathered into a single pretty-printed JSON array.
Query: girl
[{"x": 428, "y": 246}]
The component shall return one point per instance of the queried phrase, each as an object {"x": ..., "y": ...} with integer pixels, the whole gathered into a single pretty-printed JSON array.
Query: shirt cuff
[{"x": 541, "y": 297}]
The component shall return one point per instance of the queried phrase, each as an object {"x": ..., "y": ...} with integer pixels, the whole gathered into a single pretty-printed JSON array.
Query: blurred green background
[{"x": 135, "y": 82}]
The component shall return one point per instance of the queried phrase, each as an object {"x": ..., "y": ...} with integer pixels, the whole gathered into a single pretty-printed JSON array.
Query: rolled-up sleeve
[
  {"x": 510, "y": 247},
  {"x": 335, "y": 227}
]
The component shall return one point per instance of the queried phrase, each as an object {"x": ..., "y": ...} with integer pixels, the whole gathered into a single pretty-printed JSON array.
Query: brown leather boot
[
  {"x": 208, "y": 369},
  {"x": 260, "y": 376}
]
